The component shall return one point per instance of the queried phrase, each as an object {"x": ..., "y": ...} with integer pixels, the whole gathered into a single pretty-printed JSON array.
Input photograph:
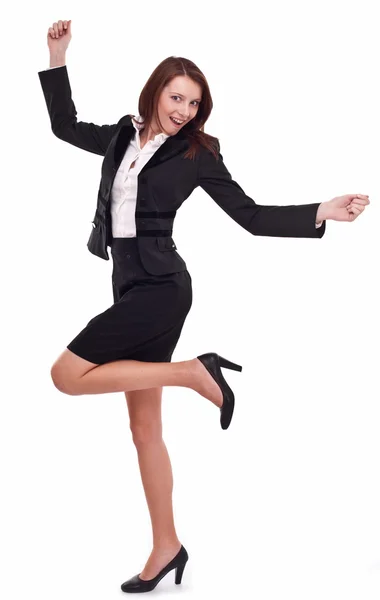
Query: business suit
[{"x": 164, "y": 183}]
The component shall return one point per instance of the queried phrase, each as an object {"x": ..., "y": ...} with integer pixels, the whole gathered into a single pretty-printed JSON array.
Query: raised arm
[
  {"x": 57, "y": 92},
  {"x": 298, "y": 221}
]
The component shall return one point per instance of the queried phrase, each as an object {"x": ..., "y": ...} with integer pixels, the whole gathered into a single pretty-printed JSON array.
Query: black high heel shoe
[
  {"x": 213, "y": 362},
  {"x": 136, "y": 585}
]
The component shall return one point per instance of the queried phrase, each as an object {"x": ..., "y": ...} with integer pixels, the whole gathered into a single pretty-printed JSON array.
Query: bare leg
[
  {"x": 75, "y": 376},
  {"x": 156, "y": 473}
]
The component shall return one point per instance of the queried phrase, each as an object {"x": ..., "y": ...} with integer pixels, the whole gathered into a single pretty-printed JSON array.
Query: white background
[{"x": 285, "y": 503}]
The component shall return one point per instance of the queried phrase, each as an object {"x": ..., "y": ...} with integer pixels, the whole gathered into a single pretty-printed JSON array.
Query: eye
[{"x": 180, "y": 98}]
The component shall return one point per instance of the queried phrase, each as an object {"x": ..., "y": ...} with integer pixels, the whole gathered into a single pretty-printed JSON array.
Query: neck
[{"x": 149, "y": 133}]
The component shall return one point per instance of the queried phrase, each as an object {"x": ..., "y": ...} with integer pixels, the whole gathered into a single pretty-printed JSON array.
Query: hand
[
  {"x": 58, "y": 37},
  {"x": 343, "y": 208}
]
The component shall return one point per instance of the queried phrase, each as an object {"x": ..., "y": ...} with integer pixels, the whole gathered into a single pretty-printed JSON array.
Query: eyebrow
[{"x": 182, "y": 96}]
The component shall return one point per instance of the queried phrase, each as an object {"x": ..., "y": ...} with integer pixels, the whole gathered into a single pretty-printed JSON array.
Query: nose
[{"x": 185, "y": 114}]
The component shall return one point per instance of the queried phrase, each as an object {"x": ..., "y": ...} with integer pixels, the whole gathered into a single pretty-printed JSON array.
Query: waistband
[
  {"x": 121, "y": 242},
  {"x": 116, "y": 243}
]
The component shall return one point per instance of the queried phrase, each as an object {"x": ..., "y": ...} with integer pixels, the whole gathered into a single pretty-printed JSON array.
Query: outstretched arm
[
  {"x": 298, "y": 221},
  {"x": 303, "y": 220}
]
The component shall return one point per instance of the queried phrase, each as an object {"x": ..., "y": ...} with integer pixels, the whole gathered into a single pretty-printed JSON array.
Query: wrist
[
  {"x": 322, "y": 212},
  {"x": 58, "y": 59}
]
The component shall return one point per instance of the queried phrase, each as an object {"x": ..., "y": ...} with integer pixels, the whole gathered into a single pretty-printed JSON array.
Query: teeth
[{"x": 176, "y": 120}]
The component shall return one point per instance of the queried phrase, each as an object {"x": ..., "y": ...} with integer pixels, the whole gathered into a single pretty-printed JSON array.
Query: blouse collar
[{"x": 158, "y": 139}]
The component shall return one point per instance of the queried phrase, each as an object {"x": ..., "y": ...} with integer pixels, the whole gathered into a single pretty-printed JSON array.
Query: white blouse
[{"x": 124, "y": 188}]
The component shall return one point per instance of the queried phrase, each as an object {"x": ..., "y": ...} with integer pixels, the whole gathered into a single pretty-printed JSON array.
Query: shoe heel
[
  {"x": 179, "y": 572},
  {"x": 228, "y": 364}
]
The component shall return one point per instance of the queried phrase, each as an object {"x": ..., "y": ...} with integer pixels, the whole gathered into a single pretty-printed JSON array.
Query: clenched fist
[
  {"x": 59, "y": 36},
  {"x": 343, "y": 208},
  {"x": 347, "y": 207}
]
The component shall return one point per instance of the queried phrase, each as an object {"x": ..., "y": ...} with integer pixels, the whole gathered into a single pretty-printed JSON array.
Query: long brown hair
[{"x": 148, "y": 102}]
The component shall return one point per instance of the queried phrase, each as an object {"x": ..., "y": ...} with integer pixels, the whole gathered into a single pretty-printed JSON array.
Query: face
[{"x": 179, "y": 100}]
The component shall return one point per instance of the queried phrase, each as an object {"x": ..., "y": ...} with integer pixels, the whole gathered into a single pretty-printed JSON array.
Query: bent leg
[
  {"x": 74, "y": 375},
  {"x": 67, "y": 369}
]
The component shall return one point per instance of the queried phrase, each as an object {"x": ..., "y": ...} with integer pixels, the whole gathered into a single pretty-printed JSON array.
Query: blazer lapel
[{"x": 173, "y": 145}]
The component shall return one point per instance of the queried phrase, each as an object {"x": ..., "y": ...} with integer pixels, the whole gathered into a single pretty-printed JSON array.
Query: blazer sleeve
[
  {"x": 296, "y": 221},
  {"x": 63, "y": 115}
]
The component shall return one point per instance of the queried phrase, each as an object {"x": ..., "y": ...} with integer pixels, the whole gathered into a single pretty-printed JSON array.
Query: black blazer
[{"x": 164, "y": 183}]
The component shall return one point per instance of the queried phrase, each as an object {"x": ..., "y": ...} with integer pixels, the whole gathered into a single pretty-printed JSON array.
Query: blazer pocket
[{"x": 166, "y": 243}]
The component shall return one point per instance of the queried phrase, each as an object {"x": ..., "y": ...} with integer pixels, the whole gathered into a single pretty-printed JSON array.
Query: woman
[{"x": 152, "y": 163}]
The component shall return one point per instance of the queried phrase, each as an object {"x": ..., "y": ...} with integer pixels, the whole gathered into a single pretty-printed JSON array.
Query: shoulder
[
  {"x": 126, "y": 120},
  {"x": 209, "y": 154},
  {"x": 209, "y": 148}
]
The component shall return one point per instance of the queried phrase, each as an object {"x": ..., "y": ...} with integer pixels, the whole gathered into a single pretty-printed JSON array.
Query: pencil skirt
[{"x": 147, "y": 316}]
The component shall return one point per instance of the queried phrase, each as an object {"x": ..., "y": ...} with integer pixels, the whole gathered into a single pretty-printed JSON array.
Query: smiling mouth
[{"x": 175, "y": 122}]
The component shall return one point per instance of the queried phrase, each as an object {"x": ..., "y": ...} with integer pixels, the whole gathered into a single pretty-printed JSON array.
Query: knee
[
  {"x": 61, "y": 381},
  {"x": 146, "y": 433}
]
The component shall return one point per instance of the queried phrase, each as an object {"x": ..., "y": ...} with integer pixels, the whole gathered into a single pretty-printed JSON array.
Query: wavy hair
[{"x": 194, "y": 130}]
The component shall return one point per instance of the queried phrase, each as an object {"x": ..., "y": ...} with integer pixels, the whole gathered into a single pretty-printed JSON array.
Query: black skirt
[{"x": 146, "y": 319}]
